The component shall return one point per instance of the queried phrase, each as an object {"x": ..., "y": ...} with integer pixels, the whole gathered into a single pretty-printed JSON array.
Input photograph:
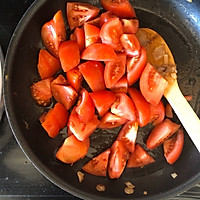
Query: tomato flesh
[
  {"x": 130, "y": 25},
  {"x": 121, "y": 85}
]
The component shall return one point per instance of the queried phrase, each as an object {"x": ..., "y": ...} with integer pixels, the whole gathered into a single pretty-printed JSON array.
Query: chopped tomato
[
  {"x": 139, "y": 158},
  {"x": 152, "y": 84},
  {"x": 66, "y": 95},
  {"x": 93, "y": 73},
  {"x": 130, "y": 25},
  {"x": 135, "y": 66},
  {"x": 118, "y": 157},
  {"x": 173, "y": 147},
  {"x": 114, "y": 70},
  {"x": 161, "y": 132},
  {"x": 128, "y": 135},
  {"x": 59, "y": 80},
  {"x": 85, "y": 106},
  {"x": 41, "y": 92},
  {"x": 122, "y": 8},
  {"x": 99, "y": 52},
  {"x": 69, "y": 55},
  {"x": 82, "y": 130},
  {"x": 105, "y": 17},
  {"x": 111, "y": 32},
  {"x": 91, "y": 34},
  {"x": 110, "y": 120},
  {"x": 103, "y": 100},
  {"x": 143, "y": 112},
  {"x": 72, "y": 150},
  {"x": 168, "y": 111},
  {"x": 48, "y": 65},
  {"x": 78, "y": 13},
  {"x": 121, "y": 85},
  {"x": 75, "y": 78},
  {"x": 95, "y": 21},
  {"x": 131, "y": 44},
  {"x": 78, "y": 36},
  {"x": 157, "y": 113},
  {"x": 124, "y": 107},
  {"x": 98, "y": 165},
  {"x": 53, "y": 33}
]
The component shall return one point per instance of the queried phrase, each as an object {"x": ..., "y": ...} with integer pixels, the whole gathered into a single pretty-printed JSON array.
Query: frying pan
[{"x": 179, "y": 24}]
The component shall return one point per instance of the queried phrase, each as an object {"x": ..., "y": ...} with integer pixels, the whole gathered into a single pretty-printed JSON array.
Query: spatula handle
[{"x": 184, "y": 111}]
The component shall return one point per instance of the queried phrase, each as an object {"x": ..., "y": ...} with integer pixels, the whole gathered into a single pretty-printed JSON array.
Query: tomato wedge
[
  {"x": 103, "y": 100},
  {"x": 131, "y": 44},
  {"x": 121, "y": 85},
  {"x": 59, "y": 80},
  {"x": 139, "y": 158},
  {"x": 110, "y": 120},
  {"x": 114, "y": 70},
  {"x": 78, "y": 13},
  {"x": 121, "y": 8},
  {"x": 111, "y": 32},
  {"x": 130, "y": 25},
  {"x": 152, "y": 84},
  {"x": 161, "y": 132},
  {"x": 143, "y": 112},
  {"x": 169, "y": 111},
  {"x": 92, "y": 34},
  {"x": 78, "y": 36},
  {"x": 93, "y": 73},
  {"x": 99, "y": 52},
  {"x": 72, "y": 150},
  {"x": 48, "y": 65},
  {"x": 157, "y": 113},
  {"x": 135, "y": 66},
  {"x": 173, "y": 147},
  {"x": 82, "y": 130},
  {"x": 128, "y": 135},
  {"x": 75, "y": 78},
  {"x": 124, "y": 107},
  {"x": 117, "y": 161},
  {"x": 98, "y": 165},
  {"x": 85, "y": 106},
  {"x": 53, "y": 33},
  {"x": 105, "y": 17},
  {"x": 41, "y": 92},
  {"x": 69, "y": 55}
]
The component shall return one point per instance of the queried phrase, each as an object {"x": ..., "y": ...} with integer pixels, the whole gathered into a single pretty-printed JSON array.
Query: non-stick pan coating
[{"x": 178, "y": 23}]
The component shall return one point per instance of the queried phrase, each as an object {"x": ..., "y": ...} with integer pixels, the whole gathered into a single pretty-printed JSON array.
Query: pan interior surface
[{"x": 182, "y": 36}]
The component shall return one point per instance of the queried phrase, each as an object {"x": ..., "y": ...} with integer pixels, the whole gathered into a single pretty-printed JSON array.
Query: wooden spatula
[{"x": 160, "y": 56}]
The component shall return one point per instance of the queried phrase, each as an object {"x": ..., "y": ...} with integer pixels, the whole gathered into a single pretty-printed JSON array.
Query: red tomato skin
[
  {"x": 121, "y": 85},
  {"x": 103, "y": 100},
  {"x": 111, "y": 32},
  {"x": 130, "y": 25},
  {"x": 105, "y": 17},
  {"x": 143, "y": 112},
  {"x": 157, "y": 113},
  {"x": 48, "y": 65},
  {"x": 85, "y": 106},
  {"x": 98, "y": 165},
  {"x": 122, "y": 9},
  {"x": 152, "y": 84},
  {"x": 110, "y": 120},
  {"x": 124, "y": 107},
  {"x": 69, "y": 55},
  {"x": 95, "y": 22},
  {"x": 114, "y": 70},
  {"x": 75, "y": 78},
  {"x": 174, "y": 146},
  {"x": 161, "y": 132},
  {"x": 99, "y": 52},
  {"x": 53, "y": 33},
  {"x": 41, "y": 92},
  {"x": 78, "y": 13},
  {"x": 135, "y": 66},
  {"x": 168, "y": 111},
  {"x": 72, "y": 150},
  {"x": 79, "y": 128},
  {"x": 93, "y": 73},
  {"x": 139, "y": 158},
  {"x": 59, "y": 80},
  {"x": 92, "y": 34},
  {"x": 78, "y": 36},
  {"x": 128, "y": 135},
  {"x": 118, "y": 157},
  {"x": 131, "y": 44}
]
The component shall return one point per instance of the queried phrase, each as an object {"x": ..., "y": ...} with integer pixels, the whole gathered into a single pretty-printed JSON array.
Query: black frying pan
[{"x": 178, "y": 22}]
